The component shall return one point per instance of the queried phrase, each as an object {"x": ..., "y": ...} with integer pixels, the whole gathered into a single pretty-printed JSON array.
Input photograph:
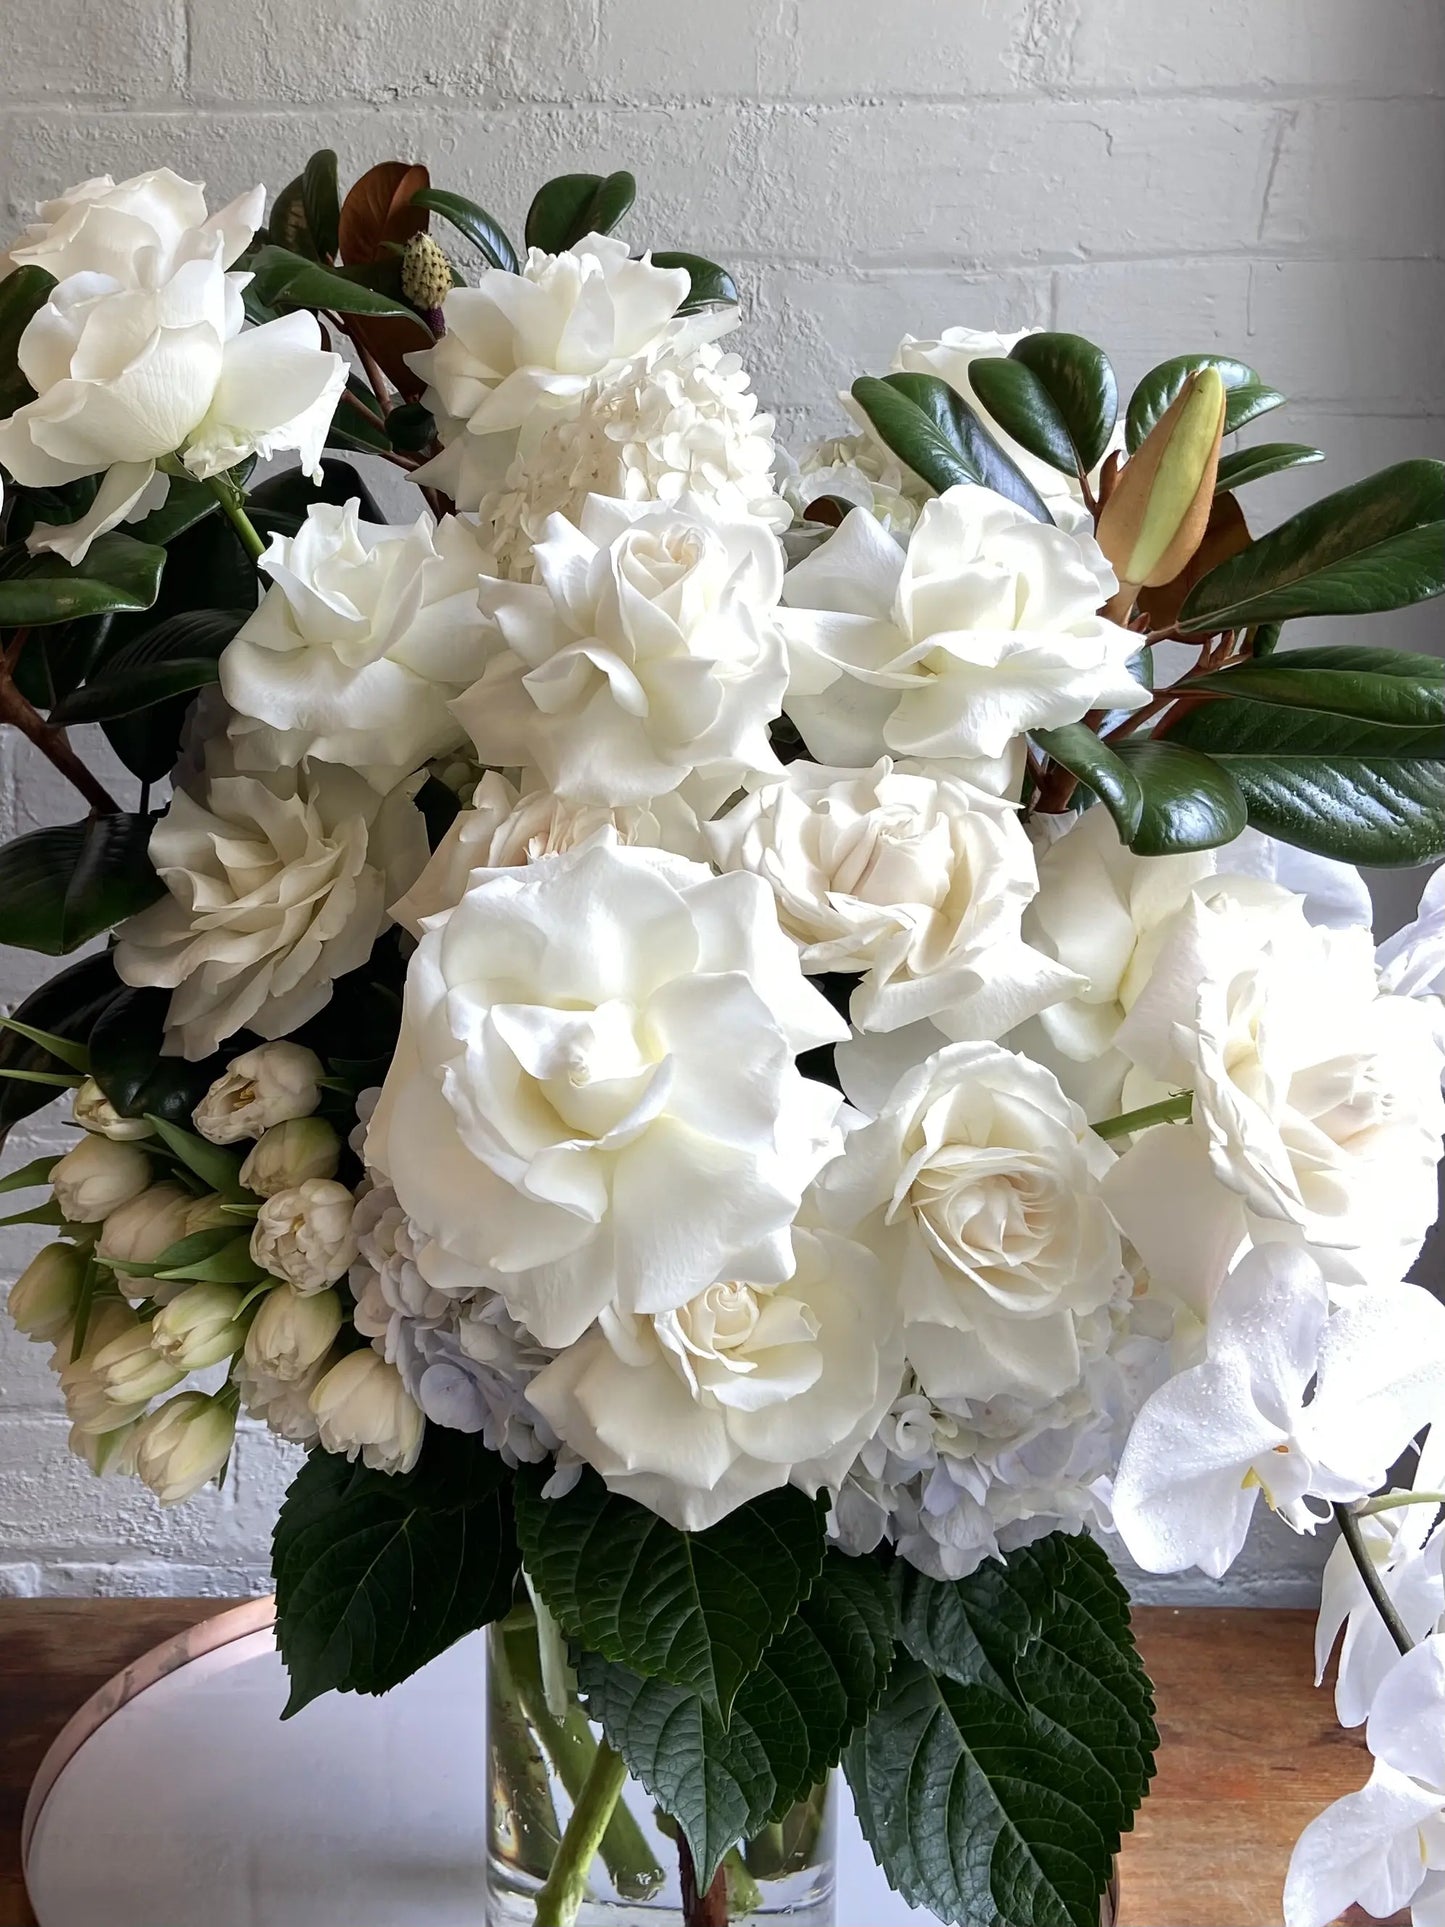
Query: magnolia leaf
[
  {"x": 1056, "y": 394},
  {"x": 382, "y": 210},
  {"x": 175, "y": 658},
  {"x": 1377, "y": 685},
  {"x": 486, "y": 235},
  {"x": 710, "y": 286},
  {"x": 1190, "y": 801},
  {"x": 574, "y": 205},
  {"x": 1247, "y": 397},
  {"x": 23, "y": 293},
  {"x": 60, "y": 887},
  {"x": 1107, "y": 775},
  {"x": 70, "y": 1005},
  {"x": 933, "y": 431},
  {"x": 118, "y": 573},
  {"x": 321, "y": 199},
  {"x": 288, "y": 226},
  {"x": 1020, "y": 404},
  {"x": 1244, "y": 465},
  {"x": 285, "y": 281}
]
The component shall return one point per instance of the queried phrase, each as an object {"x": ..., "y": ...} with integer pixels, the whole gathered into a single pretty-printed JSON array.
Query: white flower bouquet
[{"x": 750, "y": 1052}]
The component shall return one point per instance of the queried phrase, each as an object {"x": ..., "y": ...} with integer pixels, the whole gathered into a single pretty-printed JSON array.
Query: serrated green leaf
[
  {"x": 695, "y": 1609},
  {"x": 1244, "y": 465},
  {"x": 61, "y": 886},
  {"x": 321, "y": 200},
  {"x": 709, "y": 285},
  {"x": 486, "y": 234},
  {"x": 1246, "y": 396},
  {"x": 574, "y": 205},
  {"x": 933, "y": 431},
  {"x": 1190, "y": 801},
  {"x": 118, "y": 573},
  {"x": 1107, "y": 775}
]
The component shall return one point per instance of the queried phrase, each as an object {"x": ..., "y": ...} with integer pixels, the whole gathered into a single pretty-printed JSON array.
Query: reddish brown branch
[
  {"x": 52, "y": 744},
  {"x": 701, "y": 1910}
]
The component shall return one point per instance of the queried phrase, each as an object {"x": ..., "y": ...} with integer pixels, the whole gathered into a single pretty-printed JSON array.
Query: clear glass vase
[{"x": 540, "y": 1767}]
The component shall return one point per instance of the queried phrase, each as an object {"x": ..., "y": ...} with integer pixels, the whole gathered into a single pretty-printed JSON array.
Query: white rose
[
  {"x": 138, "y": 1231},
  {"x": 1412, "y": 962},
  {"x": 289, "y": 1153},
  {"x": 363, "y": 1409},
  {"x": 986, "y": 628},
  {"x": 137, "y": 231},
  {"x": 909, "y": 876},
  {"x": 593, "y": 1100},
  {"x": 359, "y": 645},
  {"x": 978, "y": 1185},
  {"x": 742, "y": 1389},
  {"x": 200, "y": 1326},
  {"x": 275, "y": 885},
  {"x": 305, "y": 1235},
  {"x": 501, "y": 829},
  {"x": 271, "y": 1084},
  {"x": 45, "y": 1297},
  {"x": 292, "y": 1332},
  {"x": 183, "y": 1445},
  {"x": 98, "y": 1177},
  {"x": 130, "y": 1371},
  {"x": 859, "y": 470},
  {"x": 92, "y": 1410},
  {"x": 93, "y": 1111},
  {"x": 644, "y": 652}
]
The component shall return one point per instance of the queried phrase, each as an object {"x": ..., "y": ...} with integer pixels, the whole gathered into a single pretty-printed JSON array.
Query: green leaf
[
  {"x": 486, "y": 235},
  {"x": 411, "y": 427},
  {"x": 352, "y": 429},
  {"x": 175, "y": 658},
  {"x": 187, "y": 502},
  {"x": 23, "y": 293},
  {"x": 711, "y": 286},
  {"x": 191, "y": 1250},
  {"x": 1020, "y": 404},
  {"x": 1107, "y": 775},
  {"x": 29, "y": 1176},
  {"x": 693, "y": 1608},
  {"x": 126, "y": 1060},
  {"x": 286, "y": 280},
  {"x": 118, "y": 573},
  {"x": 217, "y": 1168},
  {"x": 70, "y": 1004},
  {"x": 934, "y": 432},
  {"x": 1379, "y": 544},
  {"x": 1055, "y": 394},
  {"x": 60, "y": 887},
  {"x": 1244, "y": 465},
  {"x": 1247, "y": 397},
  {"x": 813, "y": 1687},
  {"x": 574, "y": 205},
  {"x": 1190, "y": 801},
  {"x": 77, "y": 1056},
  {"x": 1377, "y": 685},
  {"x": 231, "y": 1264},
  {"x": 321, "y": 200},
  {"x": 1014, "y": 1740},
  {"x": 1358, "y": 791},
  {"x": 288, "y": 226},
  {"x": 376, "y": 1574}
]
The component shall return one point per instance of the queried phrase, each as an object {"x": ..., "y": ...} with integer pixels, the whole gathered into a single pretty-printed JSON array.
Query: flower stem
[
  {"x": 1393, "y": 1501},
  {"x": 1369, "y": 1572},
  {"x": 233, "y": 507},
  {"x": 1169, "y": 1110},
  {"x": 560, "y": 1901}
]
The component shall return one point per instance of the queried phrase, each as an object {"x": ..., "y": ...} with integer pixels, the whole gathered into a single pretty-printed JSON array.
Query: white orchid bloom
[
  {"x": 1292, "y": 1400},
  {"x": 1384, "y": 1847},
  {"x": 1412, "y": 1575}
]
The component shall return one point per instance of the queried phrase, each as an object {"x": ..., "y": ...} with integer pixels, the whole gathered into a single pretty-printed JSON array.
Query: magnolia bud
[
  {"x": 426, "y": 273},
  {"x": 289, "y": 1153},
  {"x": 263, "y": 1087},
  {"x": 183, "y": 1444},
  {"x": 292, "y": 1332},
  {"x": 199, "y": 1326},
  {"x": 97, "y": 1177},
  {"x": 362, "y": 1406},
  {"x": 140, "y": 1230},
  {"x": 304, "y": 1235},
  {"x": 1156, "y": 517},
  {"x": 106, "y": 1452},
  {"x": 130, "y": 1371},
  {"x": 93, "y": 1111},
  {"x": 44, "y": 1298}
]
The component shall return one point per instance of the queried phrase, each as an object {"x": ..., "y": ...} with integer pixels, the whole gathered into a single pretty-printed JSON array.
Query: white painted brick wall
[{"x": 1262, "y": 178}]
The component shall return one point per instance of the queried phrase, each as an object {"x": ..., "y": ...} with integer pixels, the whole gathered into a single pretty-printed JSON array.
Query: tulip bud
[
  {"x": 263, "y": 1087},
  {"x": 292, "y": 1332},
  {"x": 97, "y": 1177},
  {"x": 140, "y": 1230},
  {"x": 183, "y": 1444},
  {"x": 1157, "y": 514},
  {"x": 199, "y": 1327},
  {"x": 209, "y": 1214},
  {"x": 289, "y": 1153},
  {"x": 91, "y": 1408},
  {"x": 282, "y": 1405},
  {"x": 304, "y": 1235},
  {"x": 46, "y": 1295},
  {"x": 93, "y": 1111},
  {"x": 106, "y": 1452},
  {"x": 362, "y": 1406},
  {"x": 130, "y": 1371}
]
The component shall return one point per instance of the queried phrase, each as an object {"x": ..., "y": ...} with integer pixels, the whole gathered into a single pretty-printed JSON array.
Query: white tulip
[
  {"x": 138, "y": 1231},
  {"x": 283, "y": 1405},
  {"x": 93, "y": 1111},
  {"x": 305, "y": 1235},
  {"x": 200, "y": 1326},
  {"x": 287, "y": 1154},
  {"x": 97, "y": 1177},
  {"x": 45, "y": 1297},
  {"x": 137, "y": 231},
  {"x": 292, "y": 1332},
  {"x": 131, "y": 1371},
  {"x": 108, "y": 1454},
  {"x": 184, "y": 1444},
  {"x": 268, "y": 1085},
  {"x": 363, "y": 1409},
  {"x": 87, "y": 1396}
]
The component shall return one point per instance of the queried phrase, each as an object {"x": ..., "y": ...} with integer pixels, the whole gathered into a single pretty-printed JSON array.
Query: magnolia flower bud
[
  {"x": 44, "y": 1298},
  {"x": 131, "y": 1371},
  {"x": 106, "y": 1452},
  {"x": 292, "y": 1332},
  {"x": 93, "y": 1111},
  {"x": 141, "y": 1229},
  {"x": 263, "y": 1087},
  {"x": 199, "y": 1327},
  {"x": 97, "y": 1177},
  {"x": 304, "y": 1235},
  {"x": 426, "y": 273},
  {"x": 289, "y": 1153},
  {"x": 362, "y": 1406},
  {"x": 1156, "y": 517},
  {"x": 183, "y": 1444}
]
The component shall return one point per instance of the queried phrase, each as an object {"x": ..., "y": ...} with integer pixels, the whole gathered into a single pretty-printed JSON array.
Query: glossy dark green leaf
[
  {"x": 486, "y": 234},
  {"x": 1246, "y": 396},
  {"x": 710, "y": 285},
  {"x": 321, "y": 199},
  {"x": 126, "y": 1060},
  {"x": 1190, "y": 801},
  {"x": 1019, "y": 403},
  {"x": 933, "y": 431},
  {"x": 1377, "y": 685},
  {"x": 23, "y": 293},
  {"x": 1107, "y": 775},
  {"x": 288, "y": 227},
  {"x": 352, "y": 427},
  {"x": 175, "y": 658},
  {"x": 285, "y": 280},
  {"x": 281, "y": 503},
  {"x": 187, "y": 502},
  {"x": 69, "y": 1004},
  {"x": 574, "y": 205},
  {"x": 61, "y": 886},
  {"x": 118, "y": 573},
  {"x": 411, "y": 427},
  {"x": 1081, "y": 380},
  {"x": 1379, "y": 544},
  {"x": 1243, "y": 465},
  {"x": 1263, "y": 640}
]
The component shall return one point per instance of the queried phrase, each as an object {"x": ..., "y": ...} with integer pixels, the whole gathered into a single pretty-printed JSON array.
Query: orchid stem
[
  {"x": 1169, "y": 1110},
  {"x": 1370, "y": 1577},
  {"x": 1393, "y": 1501},
  {"x": 233, "y": 507}
]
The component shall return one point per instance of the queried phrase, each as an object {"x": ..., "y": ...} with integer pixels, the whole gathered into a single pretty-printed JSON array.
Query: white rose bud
[
  {"x": 292, "y": 1332},
  {"x": 106, "y": 1452},
  {"x": 93, "y": 1111},
  {"x": 289, "y": 1153},
  {"x": 44, "y": 1297},
  {"x": 263, "y": 1087},
  {"x": 97, "y": 1177},
  {"x": 142, "y": 1228},
  {"x": 131, "y": 1371},
  {"x": 304, "y": 1235},
  {"x": 199, "y": 1327},
  {"x": 362, "y": 1406},
  {"x": 183, "y": 1445}
]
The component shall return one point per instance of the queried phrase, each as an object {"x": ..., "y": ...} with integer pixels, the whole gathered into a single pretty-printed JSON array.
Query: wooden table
[{"x": 1250, "y": 1750}]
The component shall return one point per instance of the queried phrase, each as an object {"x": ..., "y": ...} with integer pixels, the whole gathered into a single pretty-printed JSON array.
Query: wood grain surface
[{"x": 1250, "y": 1750}]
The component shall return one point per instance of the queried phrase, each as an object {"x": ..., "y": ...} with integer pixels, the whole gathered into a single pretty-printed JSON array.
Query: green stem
[
  {"x": 1169, "y": 1110},
  {"x": 560, "y": 1900},
  {"x": 233, "y": 507},
  {"x": 1393, "y": 1501},
  {"x": 518, "y": 1761},
  {"x": 1373, "y": 1581}
]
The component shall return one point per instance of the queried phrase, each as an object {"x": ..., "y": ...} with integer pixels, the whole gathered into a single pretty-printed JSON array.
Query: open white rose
[
  {"x": 359, "y": 645},
  {"x": 275, "y": 886},
  {"x": 742, "y": 1389},
  {"x": 986, "y": 627},
  {"x": 643, "y": 656},
  {"x": 593, "y": 1100},
  {"x": 914, "y": 879},
  {"x": 137, "y": 231},
  {"x": 978, "y": 1184}
]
